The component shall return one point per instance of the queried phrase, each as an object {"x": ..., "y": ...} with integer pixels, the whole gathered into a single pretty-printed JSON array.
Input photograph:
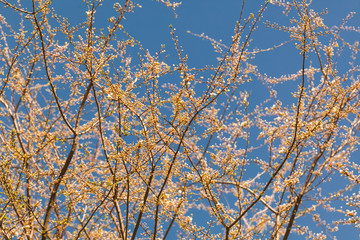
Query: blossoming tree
[{"x": 98, "y": 143}]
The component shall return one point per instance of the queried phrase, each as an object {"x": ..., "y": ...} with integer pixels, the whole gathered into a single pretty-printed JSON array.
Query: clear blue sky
[
  {"x": 215, "y": 18},
  {"x": 150, "y": 24}
]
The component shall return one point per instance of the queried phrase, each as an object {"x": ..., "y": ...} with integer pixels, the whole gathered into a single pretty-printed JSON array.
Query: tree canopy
[{"x": 102, "y": 138}]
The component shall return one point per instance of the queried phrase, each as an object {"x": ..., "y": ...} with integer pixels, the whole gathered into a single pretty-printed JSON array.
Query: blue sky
[
  {"x": 215, "y": 18},
  {"x": 150, "y": 25}
]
